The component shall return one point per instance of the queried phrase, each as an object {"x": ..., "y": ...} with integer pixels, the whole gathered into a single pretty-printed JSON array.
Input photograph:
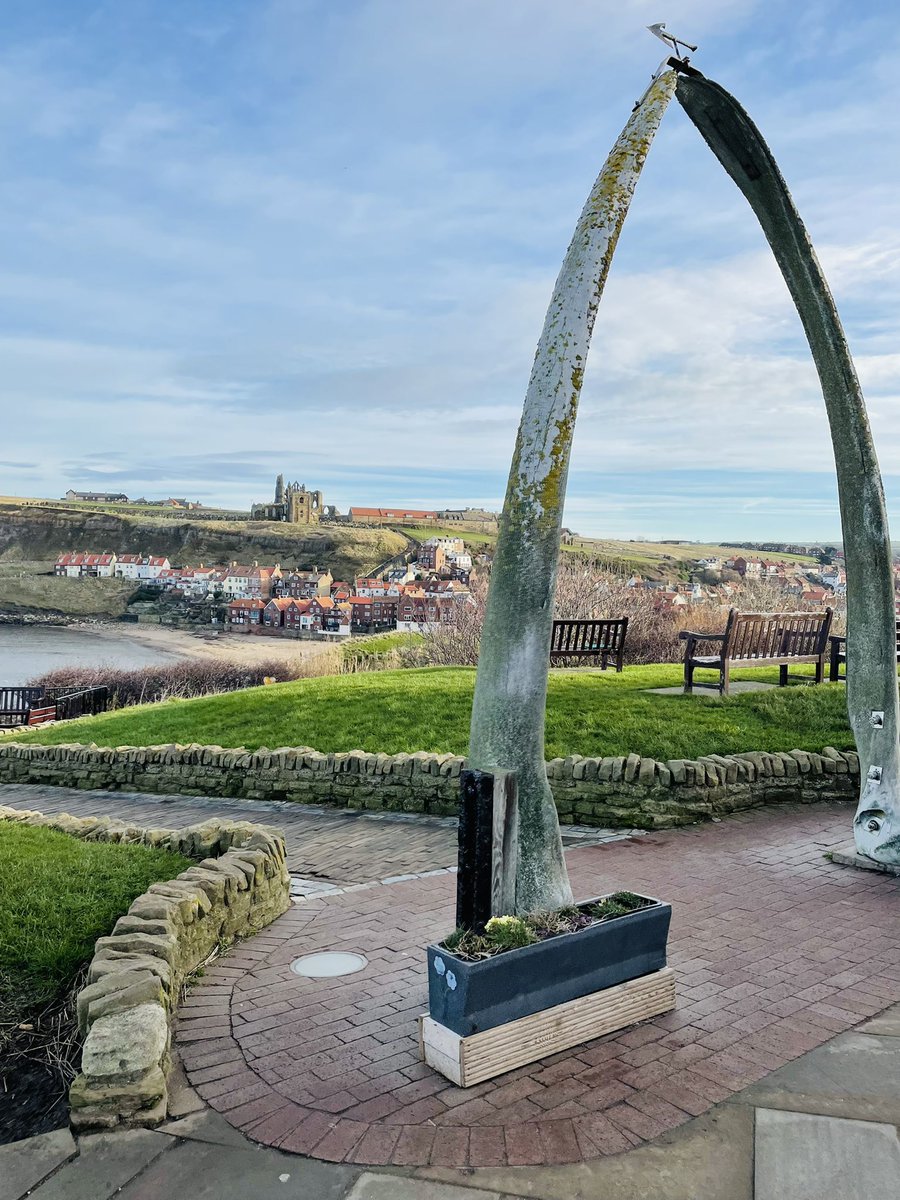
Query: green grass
[
  {"x": 58, "y": 895},
  {"x": 379, "y": 645},
  {"x": 423, "y": 532},
  {"x": 589, "y": 713}
]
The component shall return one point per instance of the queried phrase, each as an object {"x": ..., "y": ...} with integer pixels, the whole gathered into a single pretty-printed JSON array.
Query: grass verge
[
  {"x": 58, "y": 895},
  {"x": 588, "y": 713}
]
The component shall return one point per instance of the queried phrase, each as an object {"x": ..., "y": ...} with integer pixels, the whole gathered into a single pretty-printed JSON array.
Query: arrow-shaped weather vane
[{"x": 659, "y": 30}]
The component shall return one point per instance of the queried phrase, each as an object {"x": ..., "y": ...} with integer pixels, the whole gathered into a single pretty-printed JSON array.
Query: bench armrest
[
  {"x": 834, "y": 638},
  {"x": 685, "y": 634}
]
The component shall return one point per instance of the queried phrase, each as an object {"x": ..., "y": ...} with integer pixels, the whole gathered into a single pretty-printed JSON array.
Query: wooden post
[{"x": 488, "y": 847}]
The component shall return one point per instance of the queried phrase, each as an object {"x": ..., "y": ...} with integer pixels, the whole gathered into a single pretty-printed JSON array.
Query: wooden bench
[
  {"x": 40, "y": 716},
  {"x": 838, "y": 655},
  {"x": 760, "y": 640},
  {"x": 596, "y": 642}
]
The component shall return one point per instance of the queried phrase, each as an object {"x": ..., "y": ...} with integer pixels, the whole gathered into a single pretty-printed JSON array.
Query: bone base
[{"x": 848, "y": 856}]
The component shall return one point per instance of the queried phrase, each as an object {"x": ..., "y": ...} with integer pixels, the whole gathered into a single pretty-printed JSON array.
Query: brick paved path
[
  {"x": 339, "y": 845},
  {"x": 775, "y": 950}
]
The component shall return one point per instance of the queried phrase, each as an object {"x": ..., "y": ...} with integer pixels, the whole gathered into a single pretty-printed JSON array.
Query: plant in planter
[
  {"x": 524, "y": 965},
  {"x": 529, "y": 986}
]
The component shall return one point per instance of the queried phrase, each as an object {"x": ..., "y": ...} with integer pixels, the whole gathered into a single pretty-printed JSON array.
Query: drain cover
[{"x": 328, "y": 965}]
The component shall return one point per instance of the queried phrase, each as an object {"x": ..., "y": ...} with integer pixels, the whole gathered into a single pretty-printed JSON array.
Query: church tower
[{"x": 279, "y": 490}]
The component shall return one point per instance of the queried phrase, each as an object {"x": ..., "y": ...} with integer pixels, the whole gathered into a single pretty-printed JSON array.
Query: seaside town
[
  {"x": 271, "y": 600},
  {"x": 417, "y": 595}
]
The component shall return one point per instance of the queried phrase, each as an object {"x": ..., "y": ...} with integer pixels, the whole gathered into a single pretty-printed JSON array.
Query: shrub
[
  {"x": 586, "y": 590},
  {"x": 180, "y": 680}
]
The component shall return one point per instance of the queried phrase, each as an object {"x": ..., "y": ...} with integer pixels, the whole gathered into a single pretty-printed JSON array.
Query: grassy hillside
[
  {"x": 31, "y": 532},
  {"x": 429, "y": 709},
  {"x": 662, "y": 560},
  {"x": 24, "y": 590}
]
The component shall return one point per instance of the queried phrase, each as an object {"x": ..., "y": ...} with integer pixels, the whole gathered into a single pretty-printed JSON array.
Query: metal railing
[{"x": 35, "y": 705}]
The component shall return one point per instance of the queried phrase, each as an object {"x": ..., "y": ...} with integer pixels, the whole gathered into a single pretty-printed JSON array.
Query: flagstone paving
[{"x": 775, "y": 950}]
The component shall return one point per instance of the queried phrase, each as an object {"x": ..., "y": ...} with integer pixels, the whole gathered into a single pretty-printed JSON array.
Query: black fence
[{"x": 35, "y": 705}]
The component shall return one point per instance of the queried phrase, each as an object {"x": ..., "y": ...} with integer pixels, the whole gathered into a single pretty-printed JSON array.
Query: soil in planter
[
  {"x": 39, "y": 1050},
  {"x": 511, "y": 933}
]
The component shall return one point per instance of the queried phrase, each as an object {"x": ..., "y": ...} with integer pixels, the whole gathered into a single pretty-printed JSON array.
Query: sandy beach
[{"x": 233, "y": 647}]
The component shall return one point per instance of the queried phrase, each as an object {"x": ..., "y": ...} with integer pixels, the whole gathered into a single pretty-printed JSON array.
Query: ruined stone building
[{"x": 292, "y": 503}]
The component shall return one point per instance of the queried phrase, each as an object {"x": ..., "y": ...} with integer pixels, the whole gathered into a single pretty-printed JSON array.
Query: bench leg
[
  {"x": 725, "y": 679},
  {"x": 820, "y": 669},
  {"x": 834, "y": 666},
  {"x": 604, "y": 661},
  {"x": 783, "y": 675},
  {"x": 688, "y": 676},
  {"x": 620, "y": 661}
]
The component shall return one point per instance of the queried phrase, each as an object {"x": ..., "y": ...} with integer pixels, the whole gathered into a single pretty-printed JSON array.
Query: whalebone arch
[{"x": 510, "y": 697}]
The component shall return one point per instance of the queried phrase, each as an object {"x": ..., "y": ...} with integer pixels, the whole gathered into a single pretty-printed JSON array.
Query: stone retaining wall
[
  {"x": 239, "y": 884},
  {"x": 628, "y": 792}
]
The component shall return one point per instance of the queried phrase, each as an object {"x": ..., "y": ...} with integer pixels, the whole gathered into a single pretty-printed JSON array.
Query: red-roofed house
[
  {"x": 245, "y": 612},
  {"x": 396, "y": 512},
  {"x": 128, "y": 565},
  {"x": 151, "y": 567}
]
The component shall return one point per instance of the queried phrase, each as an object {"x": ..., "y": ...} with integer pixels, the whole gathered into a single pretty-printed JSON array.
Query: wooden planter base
[{"x": 470, "y": 1060}]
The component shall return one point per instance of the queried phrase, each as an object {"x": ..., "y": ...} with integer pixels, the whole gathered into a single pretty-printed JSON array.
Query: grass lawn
[
  {"x": 589, "y": 713},
  {"x": 378, "y": 645},
  {"x": 57, "y": 896}
]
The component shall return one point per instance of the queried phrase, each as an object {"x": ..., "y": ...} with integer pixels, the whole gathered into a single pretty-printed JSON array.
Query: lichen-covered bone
[
  {"x": 871, "y": 639},
  {"x": 511, "y": 688}
]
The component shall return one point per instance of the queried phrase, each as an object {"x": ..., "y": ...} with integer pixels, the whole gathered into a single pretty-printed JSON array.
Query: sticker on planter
[
  {"x": 439, "y": 965},
  {"x": 451, "y": 981}
]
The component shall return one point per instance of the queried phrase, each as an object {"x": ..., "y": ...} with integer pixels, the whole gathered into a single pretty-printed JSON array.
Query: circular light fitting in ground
[{"x": 328, "y": 965}]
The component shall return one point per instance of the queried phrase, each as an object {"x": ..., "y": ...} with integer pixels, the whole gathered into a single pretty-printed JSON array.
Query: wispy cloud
[{"x": 330, "y": 231}]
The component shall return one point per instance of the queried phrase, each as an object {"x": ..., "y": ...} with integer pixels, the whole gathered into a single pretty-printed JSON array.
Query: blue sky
[{"x": 319, "y": 236}]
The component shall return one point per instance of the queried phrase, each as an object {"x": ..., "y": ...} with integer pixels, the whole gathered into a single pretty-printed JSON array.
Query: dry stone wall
[
  {"x": 239, "y": 884},
  {"x": 628, "y": 791}
]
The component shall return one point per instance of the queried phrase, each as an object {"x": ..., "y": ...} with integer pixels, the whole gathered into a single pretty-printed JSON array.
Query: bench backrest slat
[
  {"x": 588, "y": 637},
  {"x": 776, "y": 635}
]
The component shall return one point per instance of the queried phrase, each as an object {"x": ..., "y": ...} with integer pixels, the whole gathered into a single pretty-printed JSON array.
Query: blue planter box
[{"x": 469, "y": 997}]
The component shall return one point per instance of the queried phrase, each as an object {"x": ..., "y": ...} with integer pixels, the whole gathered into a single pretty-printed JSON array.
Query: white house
[
  {"x": 150, "y": 567},
  {"x": 237, "y": 581},
  {"x": 128, "y": 566}
]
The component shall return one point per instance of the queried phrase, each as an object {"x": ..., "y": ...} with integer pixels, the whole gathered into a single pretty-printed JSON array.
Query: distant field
[
  {"x": 662, "y": 558},
  {"x": 150, "y": 510},
  {"x": 423, "y": 533}
]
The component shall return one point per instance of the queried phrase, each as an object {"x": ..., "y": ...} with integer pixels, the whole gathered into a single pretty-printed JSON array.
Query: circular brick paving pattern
[{"x": 774, "y": 948}]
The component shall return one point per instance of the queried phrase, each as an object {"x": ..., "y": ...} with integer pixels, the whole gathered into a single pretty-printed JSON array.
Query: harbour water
[{"x": 30, "y": 650}]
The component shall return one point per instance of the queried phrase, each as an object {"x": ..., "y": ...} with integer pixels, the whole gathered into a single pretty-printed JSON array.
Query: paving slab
[
  {"x": 392, "y": 1187},
  {"x": 804, "y": 1157},
  {"x": 887, "y": 1023},
  {"x": 855, "y": 1075},
  {"x": 206, "y": 1126},
  {"x": 105, "y": 1163},
  {"x": 710, "y": 1158},
  {"x": 196, "y": 1172},
  {"x": 24, "y": 1164}
]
